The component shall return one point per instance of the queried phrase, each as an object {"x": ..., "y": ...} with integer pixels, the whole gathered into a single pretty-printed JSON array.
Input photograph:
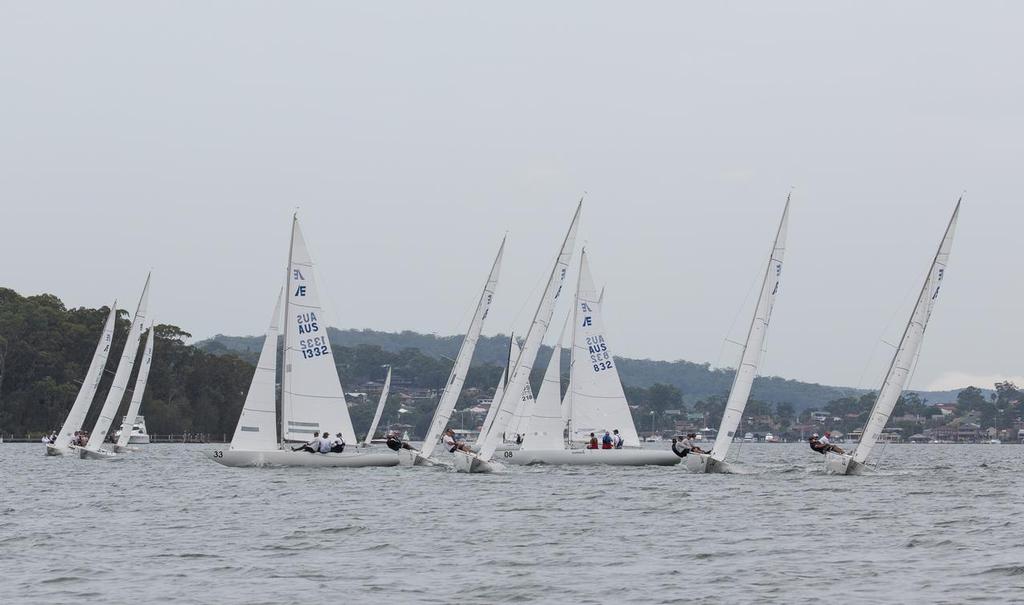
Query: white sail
[
  {"x": 499, "y": 392},
  {"x": 597, "y": 402},
  {"x": 520, "y": 422},
  {"x": 257, "y": 424},
  {"x": 752, "y": 347},
  {"x": 140, "y": 389},
  {"x": 909, "y": 347},
  {"x": 380, "y": 408},
  {"x": 519, "y": 377},
  {"x": 453, "y": 388},
  {"x": 80, "y": 408},
  {"x": 124, "y": 371},
  {"x": 547, "y": 427},
  {"x": 311, "y": 395}
]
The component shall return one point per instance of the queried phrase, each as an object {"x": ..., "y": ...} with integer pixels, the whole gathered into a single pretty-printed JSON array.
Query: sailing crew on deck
[
  {"x": 829, "y": 446},
  {"x": 606, "y": 441},
  {"x": 616, "y": 439},
  {"x": 452, "y": 445},
  {"x": 395, "y": 444},
  {"x": 337, "y": 444},
  {"x": 592, "y": 444},
  {"x": 313, "y": 446},
  {"x": 678, "y": 450},
  {"x": 325, "y": 443},
  {"x": 688, "y": 445}
]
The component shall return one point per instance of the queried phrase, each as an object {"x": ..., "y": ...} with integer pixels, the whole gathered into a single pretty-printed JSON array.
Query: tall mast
[{"x": 284, "y": 318}]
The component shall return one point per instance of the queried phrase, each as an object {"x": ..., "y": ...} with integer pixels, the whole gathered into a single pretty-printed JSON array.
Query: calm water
[{"x": 936, "y": 524}]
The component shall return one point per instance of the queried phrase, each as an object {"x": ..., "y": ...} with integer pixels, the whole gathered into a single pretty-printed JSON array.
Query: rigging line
[
  {"x": 739, "y": 311},
  {"x": 888, "y": 324}
]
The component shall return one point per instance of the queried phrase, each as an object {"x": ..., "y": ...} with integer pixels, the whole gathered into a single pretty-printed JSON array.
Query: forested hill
[{"x": 696, "y": 381}]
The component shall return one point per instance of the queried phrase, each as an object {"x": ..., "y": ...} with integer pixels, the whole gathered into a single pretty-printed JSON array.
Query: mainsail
[
  {"x": 546, "y": 426},
  {"x": 311, "y": 395},
  {"x": 124, "y": 370},
  {"x": 909, "y": 347},
  {"x": 752, "y": 348},
  {"x": 140, "y": 389},
  {"x": 257, "y": 424},
  {"x": 380, "y": 408},
  {"x": 79, "y": 409},
  {"x": 597, "y": 402},
  {"x": 453, "y": 388},
  {"x": 519, "y": 377}
]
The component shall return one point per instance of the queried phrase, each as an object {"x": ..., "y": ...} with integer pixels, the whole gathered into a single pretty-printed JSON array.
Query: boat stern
[
  {"x": 841, "y": 464},
  {"x": 469, "y": 463}
]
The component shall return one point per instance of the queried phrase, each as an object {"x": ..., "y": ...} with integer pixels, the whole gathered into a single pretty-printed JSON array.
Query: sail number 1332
[{"x": 314, "y": 347}]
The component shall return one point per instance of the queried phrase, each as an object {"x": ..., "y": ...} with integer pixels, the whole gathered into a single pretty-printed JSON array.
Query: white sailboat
[
  {"x": 128, "y": 425},
  {"x": 453, "y": 388},
  {"x": 903, "y": 360},
  {"x": 519, "y": 377},
  {"x": 507, "y": 439},
  {"x": 380, "y": 410},
  {"x": 750, "y": 358},
  {"x": 80, "y": 408},
  {"x": 94, "y": 449},
  {"x": 595, "y": 401},
  {"x": 312, "y": 399}
]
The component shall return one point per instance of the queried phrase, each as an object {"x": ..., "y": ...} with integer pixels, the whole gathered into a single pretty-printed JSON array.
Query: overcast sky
[{"x": 180, "y": 136}]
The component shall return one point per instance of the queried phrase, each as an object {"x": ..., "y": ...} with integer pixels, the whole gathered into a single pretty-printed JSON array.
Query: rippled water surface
[{"x": 934, "y": 524}]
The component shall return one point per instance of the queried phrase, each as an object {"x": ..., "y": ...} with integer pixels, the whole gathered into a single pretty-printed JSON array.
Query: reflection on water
[{"x": 936, "y": 523}]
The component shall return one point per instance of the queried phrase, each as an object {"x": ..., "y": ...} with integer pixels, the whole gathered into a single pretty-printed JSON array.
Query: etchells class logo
[{"x": 300, "y": 290}]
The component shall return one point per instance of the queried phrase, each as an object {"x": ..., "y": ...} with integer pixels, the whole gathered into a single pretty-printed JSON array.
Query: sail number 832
[
  {"x": 313, "y": 347},
  {"x": 599, "y": 356}
]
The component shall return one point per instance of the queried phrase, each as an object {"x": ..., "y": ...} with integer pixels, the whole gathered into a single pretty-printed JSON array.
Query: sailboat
[
  {"x": 131, "y": 418},
  {"x": 80, "y": 408},
  {"x": 508, "y": 436},
  {"x": 453, "y": 388},
  {"x": 519, "y": 377},
  {"x": 750, "y": 358},
  {"x": 595, "y": 402},
  {"x": 380, "y": 410},
  {"x": 902, "y": 362},
  {"x": 94, "y": 449},
  {"x": 312, "y": 399}
]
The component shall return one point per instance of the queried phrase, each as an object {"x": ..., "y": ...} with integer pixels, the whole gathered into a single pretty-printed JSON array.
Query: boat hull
[
  {"x": 86, "y": 454},
  {"x": 704, "y": 463},
  {"x": 842, "y": 464},
  {"x": 581, "y": 457},
  {"x": 53, "y": 450},
  {"x": 246, "y": 458},
  {"x": 469, "y": 463},
  {"x": 413, "y": 458}
]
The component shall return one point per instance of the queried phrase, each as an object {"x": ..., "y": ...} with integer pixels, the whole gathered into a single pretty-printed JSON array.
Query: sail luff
[
  {"x": 453, "y": 388},
  {"x": 140, "y": 389},
  {"x": 257, "y": 424},
  {"x": 750, "y": 357},
  {"x": 520, "y": 376},
  {"x": 286, "y": 313},
  {"x": 380, "y": 409},
  {"x": 80, "y": 408},
  {"x": 910, "y": 345},
  {"x": 121, "y": 375}
]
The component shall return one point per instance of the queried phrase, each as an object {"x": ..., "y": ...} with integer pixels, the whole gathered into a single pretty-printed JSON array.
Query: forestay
[
  {"x": 519, "y": 377},
  {"x": 597, "y": 402},
  {"x": 380, "y": 408},
  {"x": 80, "y": 408},
  {"x": 124, "y": 370},
  {"x": 750, "y": 357},
  {"x": 546, "y": 428},
  {"x": 909, "y": 347},
  {"x": 453, "y": 388},
  {"x": 311, "y": 395},
  {"x": 140, "y": 389},
  {"x": 257, "y": 424}
]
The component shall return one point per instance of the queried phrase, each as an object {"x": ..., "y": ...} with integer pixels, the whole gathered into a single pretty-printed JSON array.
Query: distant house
[
  {"x": 820, "y": 417},
  {"x": 947, "y": 409},
  {"x": 958, "y": 431}
]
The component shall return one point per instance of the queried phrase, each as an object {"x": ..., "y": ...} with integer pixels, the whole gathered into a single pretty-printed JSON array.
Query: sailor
[
  {"x": 606, "y": 441},
  {"x": 592, "y": 444},
  {"x": 313, "y": 446},
  {"x": 519, "y": 439},
  {"x": 45, "y": 439},
  {"x": 617, "y": 439},
  {"x": 689, "y": 446},
  {"x": 452, "y": 445},
  {"x": 678, "y": 450},
  {"x": 826, "y": 441},
  {"x": 816, "y": 444},
  {"x": 394, "y": 443},
  {"x": 325, "y": 443},
  {"x": 337, "y": 444}
]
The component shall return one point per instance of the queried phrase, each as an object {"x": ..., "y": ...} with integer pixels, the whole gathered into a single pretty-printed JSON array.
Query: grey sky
[{"x": 180, "y": 135}]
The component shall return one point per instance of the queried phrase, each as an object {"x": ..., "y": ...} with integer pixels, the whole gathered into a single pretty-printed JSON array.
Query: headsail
[
  {"x": 499, "y": 391},
  {"x": 124, "y": 371},
  {"x": 909, "y": 347},
  {"x": 519, "y": 378},
  {"x": 751, "y": 355},
  {"x": 380, "y": 408},
  {"x": 140, "y": 389},
  {"x": 257, "y": 424},
  {"x": 453, "y": 388},
  {"x": 546, "y": 426},
  {"x": 79, "y": 409},
  {"x": 597, "y": 401},
  {"x": 311, "y": 395}
]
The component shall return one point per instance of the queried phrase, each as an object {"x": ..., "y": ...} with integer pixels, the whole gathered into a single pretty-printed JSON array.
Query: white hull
[
  {"x": 623, "y": 457},
  {"x": 52, "y": 450},
  {"x": 842, "y": 464},
  {"x": 87, "y": 454},
  {"x": 413, "y": 458},
  {"x": 703, "y": 463},
  {"x": 469, "y": 463},
  {"x": 290, "y": 458},
  {"x": 139, "y": 439}
]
